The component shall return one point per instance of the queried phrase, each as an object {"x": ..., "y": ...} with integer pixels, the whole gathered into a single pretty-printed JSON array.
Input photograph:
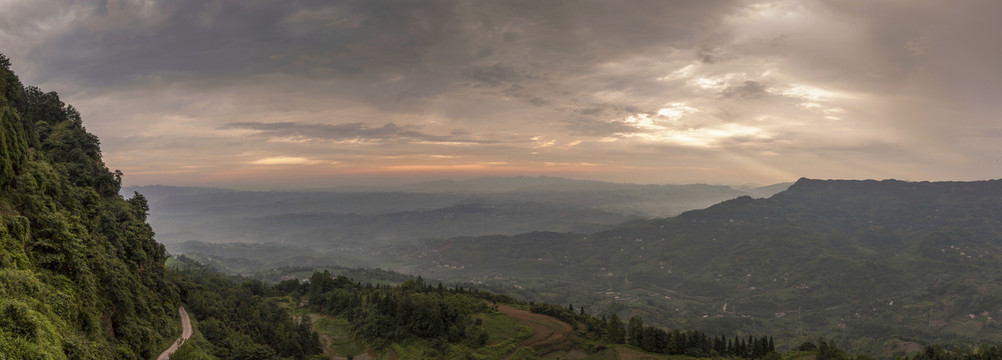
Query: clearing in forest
[{"x": 546, "y": 330}]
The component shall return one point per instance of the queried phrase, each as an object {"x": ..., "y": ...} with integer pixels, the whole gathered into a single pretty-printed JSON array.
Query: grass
[
  {"x": 343, "y": 342},
  {"x": 499, "y": 328}
]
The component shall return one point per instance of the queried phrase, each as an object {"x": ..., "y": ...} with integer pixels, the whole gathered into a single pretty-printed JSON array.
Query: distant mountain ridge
[
  {"x": 490, "y": 205},
  {"x": 502, "y": 184},
  {"x": 623, "y": 199}
]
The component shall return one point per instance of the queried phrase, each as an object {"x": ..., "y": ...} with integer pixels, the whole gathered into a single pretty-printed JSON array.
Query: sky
[{"x": 326, "y": 93}]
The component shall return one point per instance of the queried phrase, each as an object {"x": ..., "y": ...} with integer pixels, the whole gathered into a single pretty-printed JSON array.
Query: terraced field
[{"x": 546, "y": 330}]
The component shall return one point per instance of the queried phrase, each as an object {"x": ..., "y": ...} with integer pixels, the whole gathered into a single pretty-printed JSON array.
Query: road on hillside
[
  {"x": 185, "y": 334},
  {"x": 546, "y": 330}
]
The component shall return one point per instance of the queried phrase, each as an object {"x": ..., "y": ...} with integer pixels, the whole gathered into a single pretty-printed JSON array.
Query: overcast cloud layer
[{"x": 318, "y": 93}]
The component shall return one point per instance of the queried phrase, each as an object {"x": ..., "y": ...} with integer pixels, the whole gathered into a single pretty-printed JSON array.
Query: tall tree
[
  {"x": 615, "y": 333},
  {"x": 635, "y": 331}
]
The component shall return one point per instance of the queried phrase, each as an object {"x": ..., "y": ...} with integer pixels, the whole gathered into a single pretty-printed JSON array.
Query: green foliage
[
  {"x": 239, "y": 319},
  {"x": 507, "y": 346},
  {"x": 342, "y": 339},
  {"x": 13, "y": 145},
  {"x": 13, "y": 236},
  {"x": 614, "y": 330},
  {"x": 80, "y": 274},
  {"x": 937, "y": 352},
  {"x": 381, "y": 315},
  {"x": 695, "y": 343},
  {"x": 564, "y": 314},
  {"x": 497, "y": 327},
  {"x": 26, "y": 333}
]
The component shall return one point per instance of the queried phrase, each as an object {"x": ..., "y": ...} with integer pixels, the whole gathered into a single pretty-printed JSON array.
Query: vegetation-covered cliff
[{"x": 80, "y": 273}]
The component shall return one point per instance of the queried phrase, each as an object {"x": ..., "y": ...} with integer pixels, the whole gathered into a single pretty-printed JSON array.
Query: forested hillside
[
  {"x": 81, "y": 276},
  {"x": 80, "y": 273}
]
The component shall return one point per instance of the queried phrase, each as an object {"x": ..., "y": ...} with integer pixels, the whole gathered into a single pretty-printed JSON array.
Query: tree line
[
  {"x": 384, "y": 314},
  {"x": 241, "y": 318}
]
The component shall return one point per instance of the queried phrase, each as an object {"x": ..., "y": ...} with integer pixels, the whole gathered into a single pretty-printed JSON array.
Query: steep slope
[
  {"x": 864, "y": 261},
  {"x": 80, "y": 274}
]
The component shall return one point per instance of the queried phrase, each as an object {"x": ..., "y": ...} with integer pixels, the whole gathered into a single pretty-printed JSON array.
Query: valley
[{"x": 873, "y": 264}]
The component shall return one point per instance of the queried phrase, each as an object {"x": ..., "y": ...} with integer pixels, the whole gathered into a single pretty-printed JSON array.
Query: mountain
[
  {"x": 500, "y": 184},
  {"x": 766, "y": 191},
  {"x": 874, "y": 263},
  {"x": 646, "y": 200}
]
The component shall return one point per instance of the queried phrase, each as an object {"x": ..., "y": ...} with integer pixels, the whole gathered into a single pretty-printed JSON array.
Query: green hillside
[
  {"x": 81, "y": 276},
  {"x": 80, "y": 273}
]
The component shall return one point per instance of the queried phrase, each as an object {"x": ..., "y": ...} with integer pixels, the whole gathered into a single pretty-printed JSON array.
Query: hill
[
  {"x": 871, "y": 263},
  {"x": 80, "y": 273},
  {"x": 81, "y": 276}
]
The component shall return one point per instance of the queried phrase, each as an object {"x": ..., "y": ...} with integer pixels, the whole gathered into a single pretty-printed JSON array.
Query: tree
[
  {"x": 615, "y": 333},
  {"x": 635, "y": 331}
]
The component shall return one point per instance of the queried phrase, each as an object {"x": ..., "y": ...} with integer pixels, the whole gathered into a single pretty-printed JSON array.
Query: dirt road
[
  {"x": 546, "y": 330},
  {"x": 185, "y": 334}
]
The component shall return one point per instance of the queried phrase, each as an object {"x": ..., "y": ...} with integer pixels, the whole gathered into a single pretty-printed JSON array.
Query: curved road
[{"x": 185, "y": 334}]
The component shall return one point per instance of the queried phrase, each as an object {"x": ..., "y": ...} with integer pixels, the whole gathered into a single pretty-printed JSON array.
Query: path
[
  {"x": 546, "y": 330},
  {"x": 185, "y": 334}
]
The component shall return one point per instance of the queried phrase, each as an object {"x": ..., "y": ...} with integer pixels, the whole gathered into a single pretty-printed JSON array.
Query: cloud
[
  {"x": 710, "y": 56},
  {"x": 747, "y": 90},
  {"x": 286, "y": 160},
  {"x": 585, "y": 126},
  {"x": 496, "y": 75},
  {"x": 714, "y": 84},
  {"x": 351, "y": 132}
]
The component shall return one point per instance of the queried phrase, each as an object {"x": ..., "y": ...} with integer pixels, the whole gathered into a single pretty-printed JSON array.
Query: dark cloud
[
  {"x": 612, "y": 110},
  {"x": 747, "y": 90},
  {"x": 392, "y": 55},
  {"x": 507, "y": 81},
  {"x": 709, "y": 56},
  {"x": 585, "y": 126},
  {"x": 387, "y": 133},
  {"x": 496, "y": 75},
  {"x": 109, "y": 43},
  {"x": 130, "y": 41}
]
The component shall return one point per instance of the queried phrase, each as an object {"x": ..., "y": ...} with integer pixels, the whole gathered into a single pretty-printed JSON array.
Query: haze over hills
[
  {"x": 351, "y": 225},
  {"x": 874, "y": 263}
]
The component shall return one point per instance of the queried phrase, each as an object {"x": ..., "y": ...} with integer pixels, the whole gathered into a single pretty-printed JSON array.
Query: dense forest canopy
[{"x": 80, "y": 273}]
